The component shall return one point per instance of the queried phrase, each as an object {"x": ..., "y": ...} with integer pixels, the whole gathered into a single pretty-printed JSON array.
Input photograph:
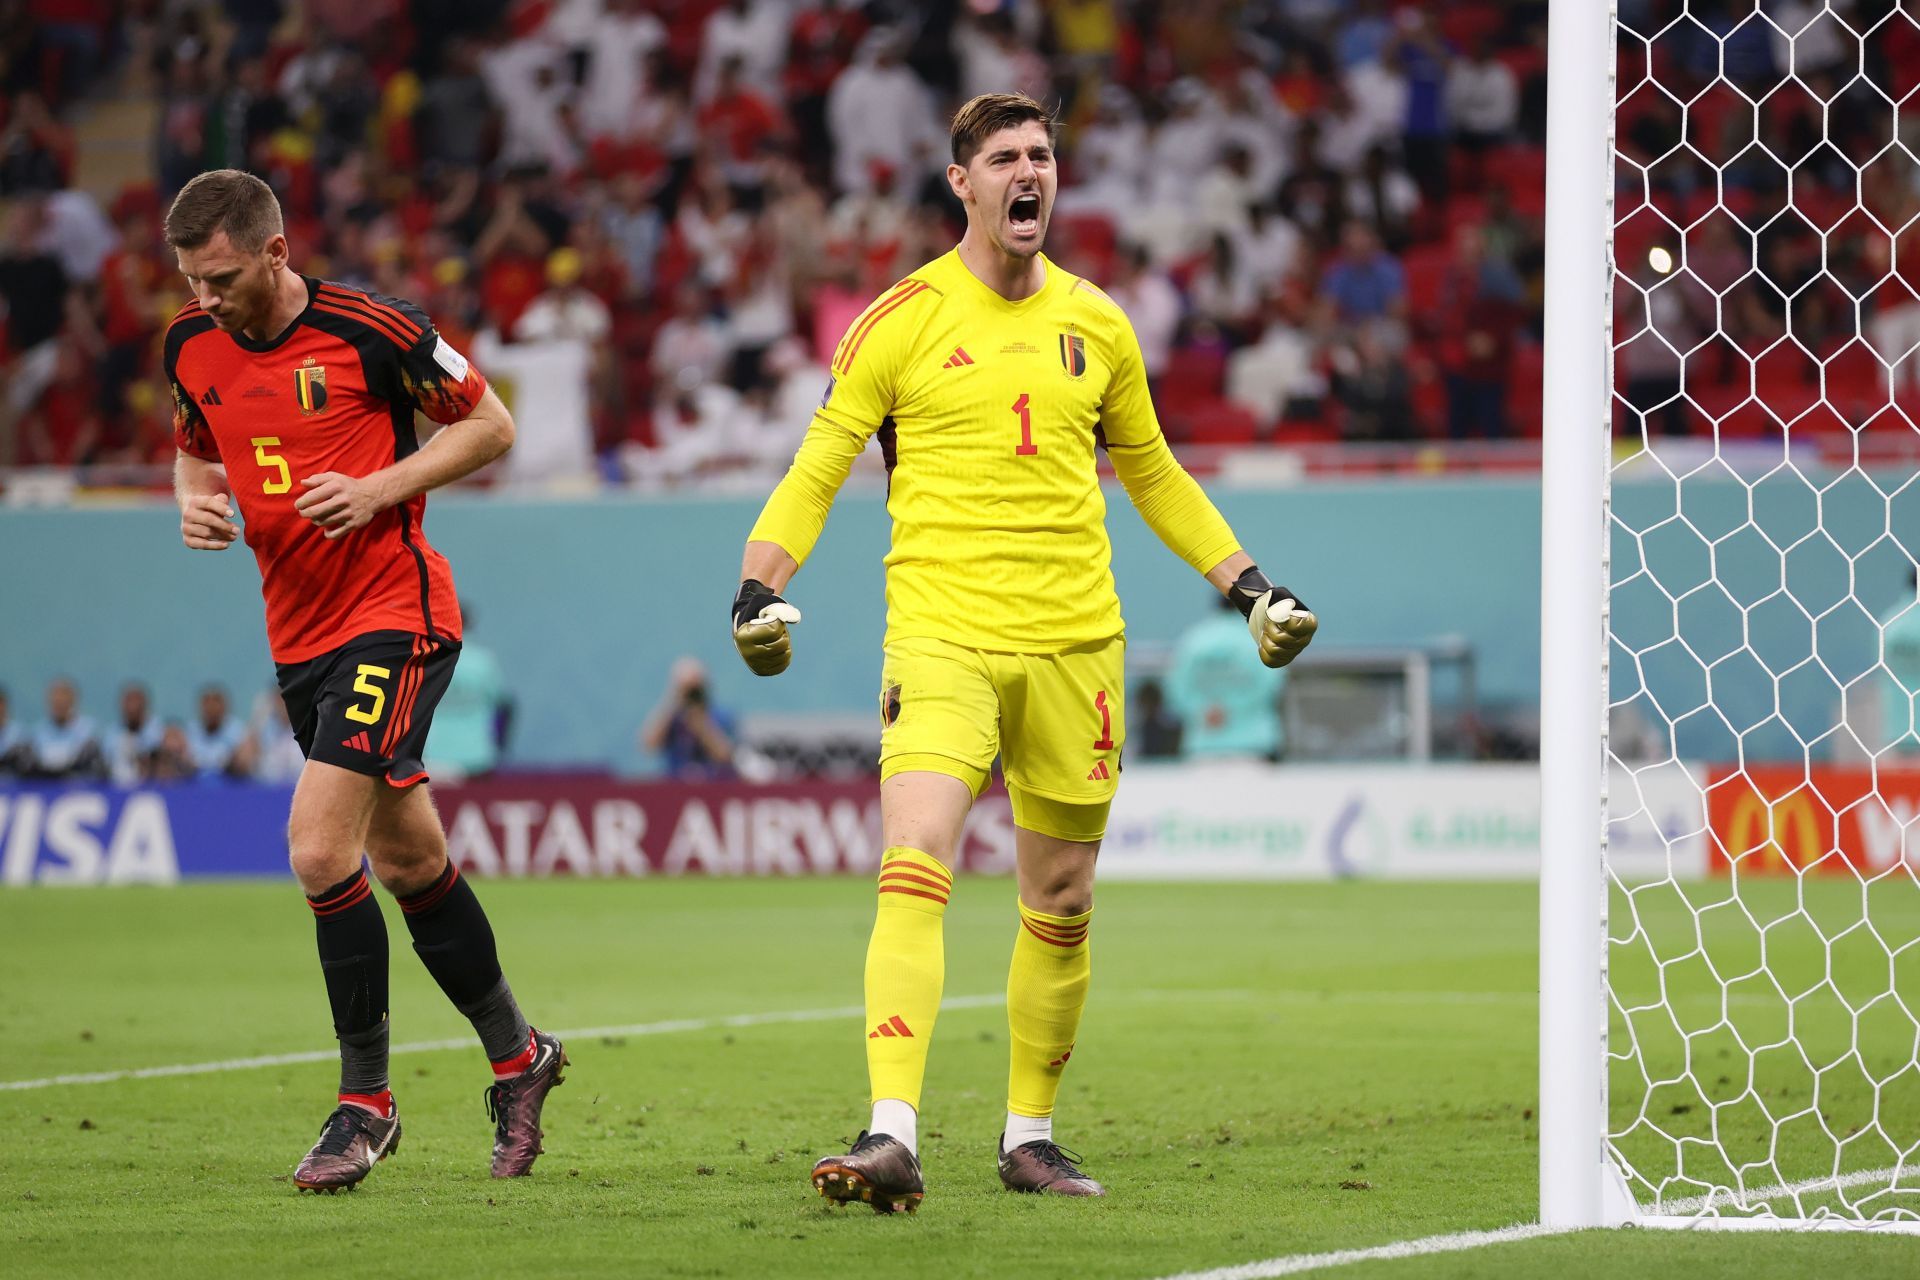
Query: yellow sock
[
  {"x": 1046, "y": 990},
  {"x": 906, "y": 965}
]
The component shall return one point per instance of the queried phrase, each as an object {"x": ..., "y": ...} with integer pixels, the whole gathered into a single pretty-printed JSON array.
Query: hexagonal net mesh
[{"x": 1764, "y": 974}]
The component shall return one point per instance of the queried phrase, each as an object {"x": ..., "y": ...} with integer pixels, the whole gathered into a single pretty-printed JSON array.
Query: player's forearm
[
  {"x": 1176, "y": 509},
  {"x": 1223, "y": 574},
  {"x": 768, "y": 562},
  {"x": 196, "y": 478},
  {"x": 455, "y": 452}
]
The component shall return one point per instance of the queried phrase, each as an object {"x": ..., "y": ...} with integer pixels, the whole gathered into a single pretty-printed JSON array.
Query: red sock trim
[
  {"x": 518, "y": 1062},
  {"x": 381, "y": 1103},
  {"x": 429, "y": 897},
  {"x": 347, "y": 893}
]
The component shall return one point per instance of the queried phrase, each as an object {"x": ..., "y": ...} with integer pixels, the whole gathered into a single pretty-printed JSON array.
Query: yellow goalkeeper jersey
[{"x": 988, "y": 413}]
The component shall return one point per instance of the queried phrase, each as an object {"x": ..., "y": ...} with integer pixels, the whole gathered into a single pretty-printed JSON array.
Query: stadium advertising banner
[
  {"x": 105, "y": 835},
  {"x": 599, "y": 827},
  {"x": 1787, "y": 819},
  {"x": 1238, "y": 820},
  {"x": 528, "y": 826},
  {"x": 1246, "y": 820}
]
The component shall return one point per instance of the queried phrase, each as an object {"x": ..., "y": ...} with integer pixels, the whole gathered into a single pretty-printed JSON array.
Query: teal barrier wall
[
  {"x": 587, "y": 603},
  {"x": 1749, "y": 616}
]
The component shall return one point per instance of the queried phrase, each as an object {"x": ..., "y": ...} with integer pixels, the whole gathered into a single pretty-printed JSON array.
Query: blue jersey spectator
[
  {"x": 218, "y": 743},
  {"x": 13, "y": 743},
  {"x": 133, "y": 746},
  {"x": 65, "y": 744},
  {"x": 694, "y": 738},
  {"x": 1365, "y": 282}
]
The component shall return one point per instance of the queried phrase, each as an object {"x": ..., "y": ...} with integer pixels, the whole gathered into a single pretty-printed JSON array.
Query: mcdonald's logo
[{"x": 1758, "y": 836}]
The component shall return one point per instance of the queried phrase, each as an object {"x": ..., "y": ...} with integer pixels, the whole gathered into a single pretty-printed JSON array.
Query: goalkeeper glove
[
  {"x": 760, "y": 621},
  {"x": 1280, "y": 621}
]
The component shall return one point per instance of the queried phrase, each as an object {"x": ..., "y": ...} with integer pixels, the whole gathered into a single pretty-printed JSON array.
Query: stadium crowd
[
  {"x": 1323, "y": 217},
  {"x": 140, "y": 746}
]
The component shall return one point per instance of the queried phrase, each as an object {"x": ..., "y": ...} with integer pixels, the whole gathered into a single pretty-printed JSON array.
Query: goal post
[
  {"x": 1575, "y": 437},
  {"x": 1729, "y": 1026}
]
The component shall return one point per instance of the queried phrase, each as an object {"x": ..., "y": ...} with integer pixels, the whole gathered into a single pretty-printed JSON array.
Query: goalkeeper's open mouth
[{"x": 1023, "y": 216}]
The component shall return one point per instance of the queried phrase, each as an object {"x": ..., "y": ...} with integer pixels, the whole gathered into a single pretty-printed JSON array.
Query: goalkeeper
[{"x": 990, "y": 375}]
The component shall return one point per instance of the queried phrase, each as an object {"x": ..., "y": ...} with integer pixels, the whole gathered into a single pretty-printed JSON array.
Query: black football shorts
[{"x": 367, "y": 705}]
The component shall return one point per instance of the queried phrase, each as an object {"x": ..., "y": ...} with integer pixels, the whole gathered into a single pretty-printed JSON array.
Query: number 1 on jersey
[
  {"x": 1105, "y": 741},
  {"x": 1027, "y": 446}
]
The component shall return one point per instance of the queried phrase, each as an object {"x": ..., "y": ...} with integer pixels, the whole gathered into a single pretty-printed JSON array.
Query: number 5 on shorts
[{"x": 363, "y": 682}]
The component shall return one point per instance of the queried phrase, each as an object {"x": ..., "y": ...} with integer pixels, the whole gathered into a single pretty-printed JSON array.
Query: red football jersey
[{"x": 335, "y": 392}]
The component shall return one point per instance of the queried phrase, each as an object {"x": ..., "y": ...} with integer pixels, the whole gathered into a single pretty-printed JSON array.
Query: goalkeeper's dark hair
[
  {"x": 989, "y": 113},
  {"x": 224, "y": 200}
]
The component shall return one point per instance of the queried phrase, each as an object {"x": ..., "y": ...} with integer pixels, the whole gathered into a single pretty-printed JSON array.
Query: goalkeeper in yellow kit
[{"x": 990, "y": 376}]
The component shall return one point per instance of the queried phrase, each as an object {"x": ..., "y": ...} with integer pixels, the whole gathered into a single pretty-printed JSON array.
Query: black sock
[
  {"x": 455, "y": 942},
  {"x": 352, "y": 938}
]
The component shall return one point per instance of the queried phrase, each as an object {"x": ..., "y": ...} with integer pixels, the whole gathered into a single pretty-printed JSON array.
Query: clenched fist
[
  {"x": 206, "y": 522},
  {"x": 1280, "y": 621},
  {"x": 760, "y": 622}
]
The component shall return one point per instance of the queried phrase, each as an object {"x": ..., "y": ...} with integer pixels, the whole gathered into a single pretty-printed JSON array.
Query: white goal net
[{"x": 1762, "y": 996}]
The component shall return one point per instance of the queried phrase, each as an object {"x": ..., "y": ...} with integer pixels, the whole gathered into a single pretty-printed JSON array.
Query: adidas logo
[
  {"x": 358, "y": 742},
  {"x": 890, "y": 1029},
  {"x": 1100, "y": 773},
  {"x": 212, "y": 396},
  {"x": 957, "y": 359}
]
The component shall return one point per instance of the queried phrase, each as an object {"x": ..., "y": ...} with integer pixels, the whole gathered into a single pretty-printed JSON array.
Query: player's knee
[
  {"x": 318, "y": 864},
  {"x": 405, "y": 878},
  {"x": 406, "y": 867},
  {"x": 1060, "y": 895}
]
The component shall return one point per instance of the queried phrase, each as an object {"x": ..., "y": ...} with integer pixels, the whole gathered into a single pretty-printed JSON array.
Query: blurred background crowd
[{"x": 651, "y": 219}]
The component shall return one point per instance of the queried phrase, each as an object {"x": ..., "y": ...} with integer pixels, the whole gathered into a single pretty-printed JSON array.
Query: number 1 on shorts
[{"x": 1105, "y": 741}]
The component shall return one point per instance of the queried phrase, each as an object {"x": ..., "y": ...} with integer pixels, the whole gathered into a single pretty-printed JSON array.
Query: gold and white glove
[
  {"x": 1280, "y": 621},
  {"x": 760, "y": 622}
]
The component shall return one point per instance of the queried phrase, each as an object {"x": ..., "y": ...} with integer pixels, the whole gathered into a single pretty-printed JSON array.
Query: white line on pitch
[
  {"x": 677, "y": 1025},
  {"x": 1380, "y": 1253},
  {"x": 1723, "y": 1197},
  {"x": 466, "y": 1042}
]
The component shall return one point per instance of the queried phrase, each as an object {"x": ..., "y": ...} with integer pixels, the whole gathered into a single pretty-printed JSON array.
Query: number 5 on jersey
[
  {"x": 363, "y": 682},
  {"x": 271, "y": 461}
]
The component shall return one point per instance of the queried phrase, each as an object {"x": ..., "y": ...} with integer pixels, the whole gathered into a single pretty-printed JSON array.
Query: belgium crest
[
  {"x": 310, "y": 386},
  {"x": 1073, "y": 354}
]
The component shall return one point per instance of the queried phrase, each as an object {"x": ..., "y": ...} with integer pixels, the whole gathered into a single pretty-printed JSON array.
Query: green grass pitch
[{"x": 1263, "y": 1070}]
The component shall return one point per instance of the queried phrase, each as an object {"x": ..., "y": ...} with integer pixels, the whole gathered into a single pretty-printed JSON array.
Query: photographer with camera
[{"x": 694, "y": 737}]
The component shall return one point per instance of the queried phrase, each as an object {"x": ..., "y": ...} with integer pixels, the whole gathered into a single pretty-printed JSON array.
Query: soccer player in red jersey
[{"x": 297, "y": 396}]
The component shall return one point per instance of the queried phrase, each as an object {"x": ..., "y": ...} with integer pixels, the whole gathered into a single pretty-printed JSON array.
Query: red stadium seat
[
  {"x": 1091, "y": 237},
  {"x": 1857, "y": 382},
  {"x": 1219, "y": 421},
  {"x": 1525, "y": 379},
  {"x": 1426, "y": 272},
  {"x": 1787, "y": 381},
  {"x": 1192, "y": 376},
  {"x": 1306, "y": 431}
]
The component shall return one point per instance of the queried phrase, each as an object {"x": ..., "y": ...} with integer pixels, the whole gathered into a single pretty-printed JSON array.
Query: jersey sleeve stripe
[
  {"x": 390, "y": 334},
  {"x": 360, "y": 301},
  {"x": 860, "y": 322},
  {"x": 392, "y": 320},
  {"x": 187, "y": 312},
  {"x": 879, "y": 314},
  {"x": 1096, "y": 291}
]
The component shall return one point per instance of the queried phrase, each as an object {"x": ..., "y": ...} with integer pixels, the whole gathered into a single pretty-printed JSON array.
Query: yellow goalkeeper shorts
[{"x": 1056, "y": 720}]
